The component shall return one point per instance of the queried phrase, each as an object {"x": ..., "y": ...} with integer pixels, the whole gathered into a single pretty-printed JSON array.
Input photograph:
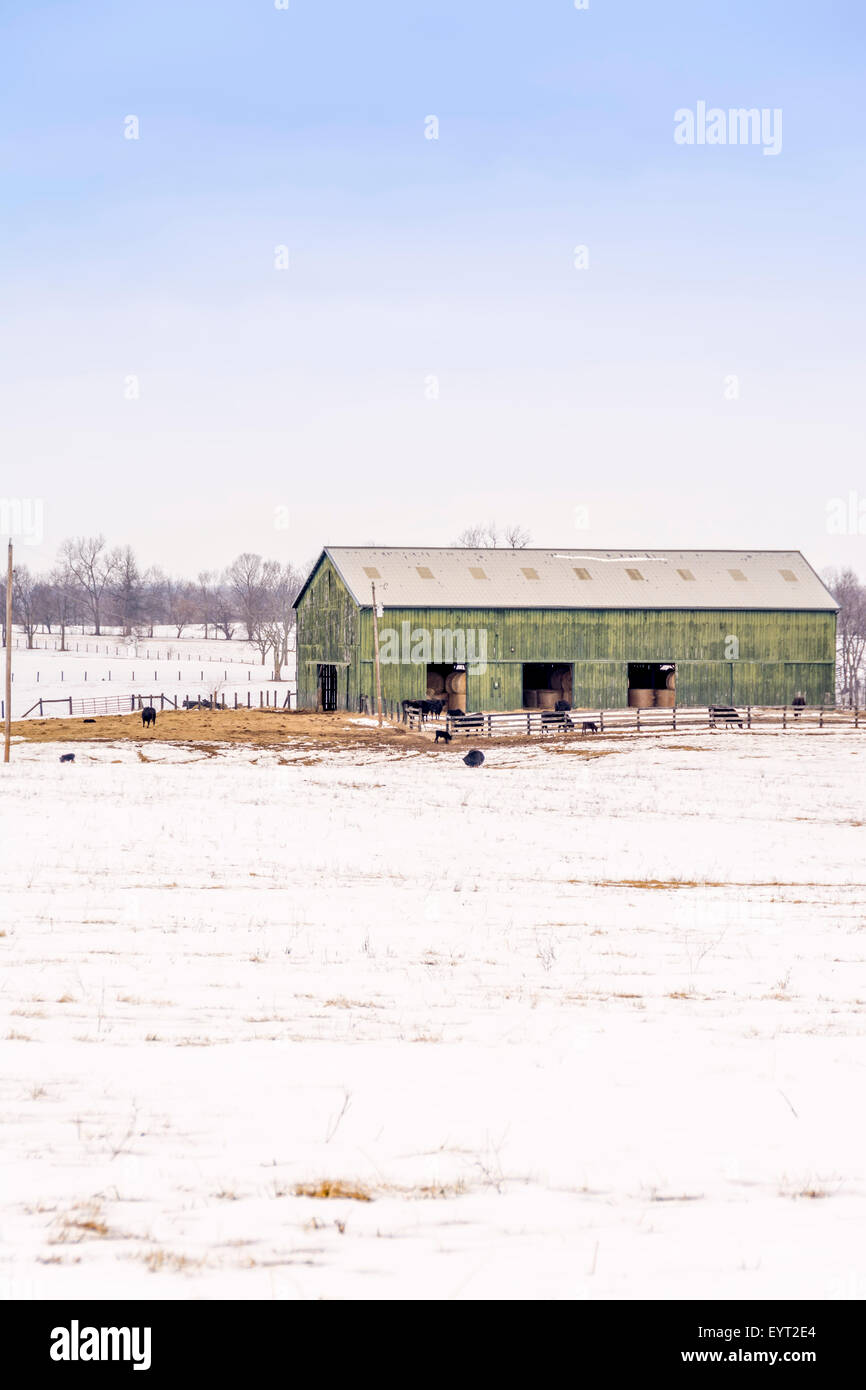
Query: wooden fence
[
  {"x": 785, "y": 718},
  {"x": 122, "y": 704}
]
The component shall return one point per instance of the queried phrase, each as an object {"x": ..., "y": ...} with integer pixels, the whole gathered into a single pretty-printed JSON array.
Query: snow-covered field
[
  {"x": 97, "y": 668},
  {"x": 577, "y": 1026}
]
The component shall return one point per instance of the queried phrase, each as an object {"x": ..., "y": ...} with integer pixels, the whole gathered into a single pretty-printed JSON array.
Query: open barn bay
[{"x": 310, "y": 1022}]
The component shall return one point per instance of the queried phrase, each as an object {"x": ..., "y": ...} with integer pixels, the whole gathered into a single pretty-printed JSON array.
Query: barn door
[{"x": 327, "y": 683}]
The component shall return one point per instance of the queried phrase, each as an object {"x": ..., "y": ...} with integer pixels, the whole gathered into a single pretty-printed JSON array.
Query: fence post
[
  {"x": 248, "y": 699},
  {"x": 748, "y": 716},
  {"x": 40, "y": 707},
  {"x": 601, "y": 721},
  {"x": 784, "y": 716},
  {"x": 70, "y": 704},
  {"x": 637, "y": 717},
  {"x": 674, "y": 718}
]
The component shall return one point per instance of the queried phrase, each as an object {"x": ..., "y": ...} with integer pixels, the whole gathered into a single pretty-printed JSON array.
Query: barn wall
[
  {"x": 328, "y": 629},
  {"x": 779, "y": 652}
]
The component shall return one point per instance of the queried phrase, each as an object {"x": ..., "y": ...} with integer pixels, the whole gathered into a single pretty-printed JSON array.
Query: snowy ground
[
  {"x": 95, "y": 668},
  {"x": 578, "y": 1027}
]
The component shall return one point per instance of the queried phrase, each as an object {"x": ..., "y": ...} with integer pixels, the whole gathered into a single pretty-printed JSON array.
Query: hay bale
[
  {"x": 640, "y": 699},
  {"x": 455, "y": 683},
  {"x": 547, "y": 699},
  {"x": 666, "y": 699},
  {"x": 435, "y": 685},
  {"x": 530, "y": 699}
]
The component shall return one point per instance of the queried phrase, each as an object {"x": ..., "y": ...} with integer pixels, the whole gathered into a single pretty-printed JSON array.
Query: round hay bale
[
  {"x": 530, "y": 699},
  {"x": 547, "y": 699},
  {"x": 640, "y": 699},
  {"x": 455, "y": 683},
  {"x": 666, "y": 699},
  {"x": 435, "y": 684},
  {"x": 671, "y": 680}
]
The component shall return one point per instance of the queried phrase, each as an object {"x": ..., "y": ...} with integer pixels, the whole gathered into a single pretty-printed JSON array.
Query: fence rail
[
  {"x": 124, "y": 704},
  {"x": 494, "y": 724}
]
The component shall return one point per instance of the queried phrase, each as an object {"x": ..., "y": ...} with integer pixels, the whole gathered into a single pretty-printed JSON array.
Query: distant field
[
  {"x": 332, "y": 1017},
  {"x": 110, "y": 666}
]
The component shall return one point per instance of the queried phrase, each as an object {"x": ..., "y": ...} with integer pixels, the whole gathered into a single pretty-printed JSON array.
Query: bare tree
[
  {"x": 62, "y": 601},
  {"x": 205, "y": 589},
  {"x": 92, "y": 568},
  {"x": 274, "y": 634},
  {"x": 126, "y": 590},
  {"x": 223, "y": 612},
  {"x": 247, "y": 580},
  {"x": 489, "y": 537},
  {"x": 850, "y": 594},
  {"x": 25, "y": 601},
  {"x": 516, "y": 537}
]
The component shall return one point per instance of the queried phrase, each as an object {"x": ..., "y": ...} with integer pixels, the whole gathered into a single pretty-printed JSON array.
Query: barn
[{"x": 605, "y": 629}]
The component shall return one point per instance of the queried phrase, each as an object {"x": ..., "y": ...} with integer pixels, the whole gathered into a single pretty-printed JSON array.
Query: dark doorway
[
  {"x": 545, "y": 682},
  {"x": 447, "y": 683},
  {"x": 652, "y": 684},
  {"x": 326, "y": 687}
]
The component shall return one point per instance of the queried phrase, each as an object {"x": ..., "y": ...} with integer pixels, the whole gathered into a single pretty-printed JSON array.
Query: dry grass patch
[
  {"x": 326, "y": 1189},
  {"x": 84, "y": 1222},
  {"x": 165, "y": 1262}
]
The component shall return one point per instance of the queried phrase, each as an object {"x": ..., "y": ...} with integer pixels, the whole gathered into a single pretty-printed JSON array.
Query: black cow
[
  {"x": 90, "y": 721},
  {"x": 443, "y": 734},
  {"x": 457, "y": 714},
  {"x": 148, "y": 716},
  {"x": 67, "y": 757},
  {"x": 588, "y": 727},
  {"x": 562, "y": 705},
  {"x": 474, "y": 758}
]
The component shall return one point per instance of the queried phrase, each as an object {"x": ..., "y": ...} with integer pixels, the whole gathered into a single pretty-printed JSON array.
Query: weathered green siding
[
  {"x": 328, "y": 631},
  {"x": 779, "y": 652}
]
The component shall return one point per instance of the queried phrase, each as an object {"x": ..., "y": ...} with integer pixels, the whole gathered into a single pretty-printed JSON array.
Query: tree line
[{"x": 96, "y": 586}]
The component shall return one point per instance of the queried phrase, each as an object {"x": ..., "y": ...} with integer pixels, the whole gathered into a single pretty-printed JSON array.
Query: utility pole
[
  {"x": 8, "y": 719},
  {"x": 375, "y": 651}
]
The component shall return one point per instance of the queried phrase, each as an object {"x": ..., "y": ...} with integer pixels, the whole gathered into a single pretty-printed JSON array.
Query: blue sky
[{"x": 431, "y": 356}]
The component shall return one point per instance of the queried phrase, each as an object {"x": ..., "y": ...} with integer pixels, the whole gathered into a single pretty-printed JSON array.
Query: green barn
[{"x": 604, "y": 629}]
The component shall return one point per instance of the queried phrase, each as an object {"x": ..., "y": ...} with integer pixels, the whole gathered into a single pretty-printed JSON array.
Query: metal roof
[{"x": 579, "y": 578}]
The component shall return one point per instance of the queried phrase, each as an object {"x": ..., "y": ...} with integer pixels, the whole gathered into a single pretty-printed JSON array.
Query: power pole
[
  {"x": 8, "y": 719},
  {"x": 375, "y": 651}
]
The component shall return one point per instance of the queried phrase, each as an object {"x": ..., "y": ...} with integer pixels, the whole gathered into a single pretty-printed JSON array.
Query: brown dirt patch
[{"x": 268, "y": 728}]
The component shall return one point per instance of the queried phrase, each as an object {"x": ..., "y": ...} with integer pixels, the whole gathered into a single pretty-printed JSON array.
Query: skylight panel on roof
[
  {"x": 424, "y": 572},
  {"x": 789, "y": 576},
  {"x": 738, "y": 575},
  {"x": 685, "y": 574},
  {"x": 529, "y": 573},
  {"x": 582, "y": 573},
  {"x": 371, "y": 572},
  {"x": 634, "y": 574},
  {"x": 476, "y": 572}
]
